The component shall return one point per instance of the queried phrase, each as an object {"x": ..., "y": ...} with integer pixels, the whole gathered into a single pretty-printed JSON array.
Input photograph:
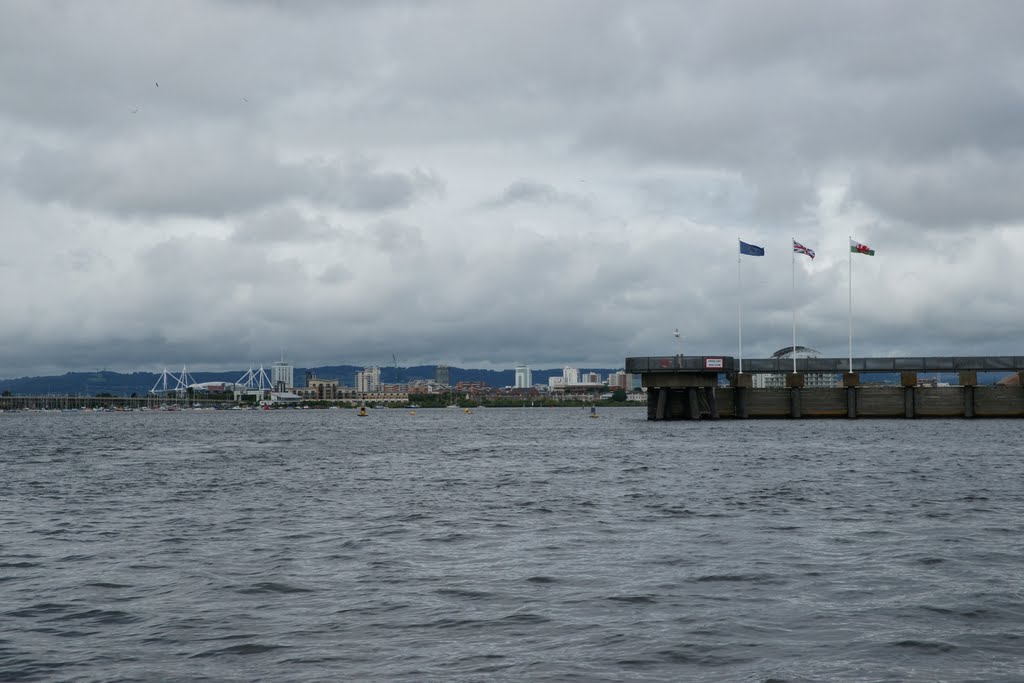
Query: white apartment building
[
  {"x": 571, "y": 375},
  {"x": 524, "y": 377},
  {"x": 368, "y": 380},
  {"x": 282, "y": 372}
]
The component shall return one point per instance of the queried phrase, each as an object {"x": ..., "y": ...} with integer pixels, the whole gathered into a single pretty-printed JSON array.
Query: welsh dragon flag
[{"x": 858, "y": 248}]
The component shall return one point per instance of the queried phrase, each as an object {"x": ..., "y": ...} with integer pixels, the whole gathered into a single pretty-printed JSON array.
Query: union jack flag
[{"x": 801, "y": 249}]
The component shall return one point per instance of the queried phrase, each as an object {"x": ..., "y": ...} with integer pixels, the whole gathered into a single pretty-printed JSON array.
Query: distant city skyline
[{"x": 326, "y": 380}]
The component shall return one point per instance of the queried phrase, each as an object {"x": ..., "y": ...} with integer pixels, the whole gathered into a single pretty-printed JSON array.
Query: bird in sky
[{"x": 158, "y": 85}]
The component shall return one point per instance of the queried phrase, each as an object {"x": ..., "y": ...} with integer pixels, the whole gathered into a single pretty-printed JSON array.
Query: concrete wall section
[
  {"x": 768, "y": 402},
  {"x": 726, "y": 401},
  {"x": 872, "y": 402},
  {"x": 880, "y": 402},
  {"x": 939, "y": 401},
  {"x": 824, "y": 402},
  {"x": 999, "y": 401}
]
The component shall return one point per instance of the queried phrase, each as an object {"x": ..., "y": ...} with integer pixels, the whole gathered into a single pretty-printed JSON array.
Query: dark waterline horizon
[{"x": 508, "y": 544}]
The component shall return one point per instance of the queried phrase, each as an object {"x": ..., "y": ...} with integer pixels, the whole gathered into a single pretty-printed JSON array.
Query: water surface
[{"x": 508, "y": 544}]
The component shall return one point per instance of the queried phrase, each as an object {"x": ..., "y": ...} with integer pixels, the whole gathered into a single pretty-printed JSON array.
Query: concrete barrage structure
[{"x": 689, "y": 388}]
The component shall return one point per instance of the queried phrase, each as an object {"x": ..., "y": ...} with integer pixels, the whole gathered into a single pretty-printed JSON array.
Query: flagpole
[
  {"x": 739, "y": 299},
  {"x": 792, "y": 262},
  {"x": 849, "y": 271}
]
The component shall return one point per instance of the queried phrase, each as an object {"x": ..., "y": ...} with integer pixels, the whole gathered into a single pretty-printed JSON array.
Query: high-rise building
[
  {"x": 524, "y": 377},
  {"x": 619, "y": 380},
  {"x": 282, "y": 373},
  {"x": 443, "y": 376},
  {"x": 368, "y": 380},
  {"x": 571, "y": 375}
]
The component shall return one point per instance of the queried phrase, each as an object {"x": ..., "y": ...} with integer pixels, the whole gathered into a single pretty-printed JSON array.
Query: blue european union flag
[{"x": 751, "y": 249}]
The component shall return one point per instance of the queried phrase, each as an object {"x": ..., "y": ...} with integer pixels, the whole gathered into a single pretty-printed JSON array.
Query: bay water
[{"x": 508, "y": 545}]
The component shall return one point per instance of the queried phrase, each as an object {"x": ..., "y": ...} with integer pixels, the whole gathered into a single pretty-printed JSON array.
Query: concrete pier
[{"x": 709, "y": 387}]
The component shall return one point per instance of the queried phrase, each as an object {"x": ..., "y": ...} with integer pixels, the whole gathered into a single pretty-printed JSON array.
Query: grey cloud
[
  {"x": 199, "y": 179},
  {"x": 204, "y": 176},
  {"x": 394, "y": 237},
  {"x": 359, "y": 186},
  {"x": 779, "y": 94},
  {"x": 532, "y": 192},
  {"x": 77, "y": 67},
  {"x": 282, "y": 224},
  {"x": 367, "y": 170},
  {"x": 87, "y": 259},
  {"x": 969, "y": 189}
]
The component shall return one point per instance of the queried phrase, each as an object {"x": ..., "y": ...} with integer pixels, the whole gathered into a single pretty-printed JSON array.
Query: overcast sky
[{"x": 484, "y": 184}]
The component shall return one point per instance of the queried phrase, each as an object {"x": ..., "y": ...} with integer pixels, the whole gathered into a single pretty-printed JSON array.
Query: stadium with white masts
[{"x": 253, "y": 381}]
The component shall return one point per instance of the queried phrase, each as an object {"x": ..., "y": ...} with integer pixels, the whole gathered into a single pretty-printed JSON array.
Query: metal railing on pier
[{"x": 670, "y": 364}]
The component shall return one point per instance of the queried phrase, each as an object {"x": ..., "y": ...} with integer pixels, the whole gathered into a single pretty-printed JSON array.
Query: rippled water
[{"x": 519, "y": 544}]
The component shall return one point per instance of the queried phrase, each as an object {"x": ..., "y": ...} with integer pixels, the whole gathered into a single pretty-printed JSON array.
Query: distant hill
[{"x": 140, "y": 383}]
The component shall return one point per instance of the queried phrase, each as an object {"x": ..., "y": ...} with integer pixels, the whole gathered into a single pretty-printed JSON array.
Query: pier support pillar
[
  {"x": 742, "y": 413},
  {"x": 908, "y": 380},
  {"x": 794, "y": 403},
  {"x": 795, "y": 381},
  {"x": 709, "y": 395},
  {"x": 742, "y": 384},
  {"x": 909, "y": 395},
  {"x": 968, "y": 401},
  {"x": 850, "y": 381},
  {"x": 692, "y": 405},
  {"x": 662, "y": 404},
  {"x": 968, "y": 380}
]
